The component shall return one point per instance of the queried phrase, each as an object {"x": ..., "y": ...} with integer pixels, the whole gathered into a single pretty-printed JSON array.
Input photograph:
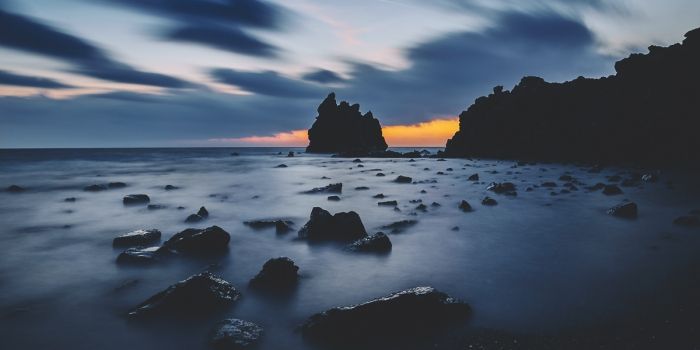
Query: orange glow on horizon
[{"x": 432, "y": 133}]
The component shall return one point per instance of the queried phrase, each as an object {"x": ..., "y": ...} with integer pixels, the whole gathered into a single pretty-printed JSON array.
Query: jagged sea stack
[
  {"x": 343, "y": 129},
  {"x": 646, "y": 113}
]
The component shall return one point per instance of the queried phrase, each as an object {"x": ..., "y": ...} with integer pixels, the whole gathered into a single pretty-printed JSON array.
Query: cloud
[
  {"x": 268, "y": 83},
  {"x": 22, "y": 33},
  {"x": 219, "y": 24},
  {"x": 8, "y": 78},
  {"x": 323, "y": 76}
]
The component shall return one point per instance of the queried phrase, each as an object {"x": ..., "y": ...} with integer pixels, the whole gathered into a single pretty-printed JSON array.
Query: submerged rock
[
  {"x": 137, "y": 238},
  {"x": 377, "y": 243},
  {"x": 116, "y": 185},
  {"x": 624, "y": 210},
  {"x": 197, "y": 241},
  {"x": 343, "y": 226},
  {"x": 95, "y": 188},
  {"x": 170, "y": 187},
  {"x": 133, "y": 199},
  {"x": 465, "y": 206},
  {"x": 403, "y": 179},
  {"x": 277, "y": 274},
  {"x": 332, "y": 188},
  {"x": 235, "y": 334},
  {"x": 417, "y": 311},
  {"x": 378, "y": 195},
  {"x": 399, "y": 226},
  {"x": 155, "y": 206},
  {"x": 473, "y": 177},
  {"x": 200, "y": 293}
]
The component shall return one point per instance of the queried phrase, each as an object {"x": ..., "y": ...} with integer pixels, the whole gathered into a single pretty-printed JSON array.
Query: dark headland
[{"x": 648, "y": 113}]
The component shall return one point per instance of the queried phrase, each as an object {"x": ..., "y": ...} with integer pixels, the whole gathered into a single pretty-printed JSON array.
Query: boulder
[
  {"x": 417, "y": 311},
  {"x": 197, "y": 241},
  {"x": 235, "y": 334},
  {"x": 388, "y": 203},
  {"x": 133, "y": 199},
  {"x": 343, "y": 226},
  {"x": 201, "y": 214},
  {"x": 507, "y": 188},
  {"x": 473, "y": 177},
  {"x": 403, "y": 179},
  {"x": 290, "y": 154},
  {"x": 465, "y": 206},
  {"x": 198, "y": 294},
  {"x": 332, "y": 188},
  {"x": 137, "y": 238},
  {"x": 624, "y": 210},
  {"x": 277, "y": 274},
  {"x": 333, "y": 198},
  {"x": 376, "y": 243},
  {"x": 488, "y": 201}
]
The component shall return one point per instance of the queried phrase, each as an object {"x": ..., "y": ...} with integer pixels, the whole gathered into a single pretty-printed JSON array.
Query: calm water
[{"x": 534, "y": 263}]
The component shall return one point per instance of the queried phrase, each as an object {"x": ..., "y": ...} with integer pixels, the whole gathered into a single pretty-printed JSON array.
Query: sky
[{"x": 180, "y": 73}]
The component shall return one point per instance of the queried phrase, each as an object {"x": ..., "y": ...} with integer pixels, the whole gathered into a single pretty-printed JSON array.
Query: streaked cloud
[{"x": 9, "y": 78}]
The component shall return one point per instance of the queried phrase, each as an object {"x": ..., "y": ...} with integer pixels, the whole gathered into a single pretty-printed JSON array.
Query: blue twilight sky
[{"x": 109, "y": 73}]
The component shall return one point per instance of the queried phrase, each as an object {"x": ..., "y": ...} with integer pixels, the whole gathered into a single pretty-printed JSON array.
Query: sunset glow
[{"x": 433, "y": 133}]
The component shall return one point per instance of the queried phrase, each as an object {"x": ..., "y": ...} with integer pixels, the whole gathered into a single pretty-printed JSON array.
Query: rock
[
  {"x": 342, "y": 128},
  {"x": 193, "y": 218},
  {"x": 15, "y": 189},
  {"x": 376, "y": 243},
  {"x": 137, "y": 238},
  {"x": 610, "y": 190},
  {"x": 95, "y": 188},
  {"x": 197, "y": 241},
  {"x": 333, "y": 198},
  {"x": 473, "y": 177},
  {"x": 380, "y": 174},
  {"x": 170, "y": 187},
  {"x": 343, "y": 226},
  {"x": 435, "y": 204},
  {"x": 277, "y": 274},
  {"x": 116, "y": 185},
  {"x": 281, "y": 226},
  {"x": 281, "y": 166},
  {"x": 142, "y": 256},
  {"x": 399, "y": 226},
  {"x": 507, "y": 188},
  {"x": 687, "y": 221},
  {"x": 332, "y": 188},
  {"x": 465, "y": 206},
  {"x": 388, "y": 203},
  {"x": 198, "y": 294},
  {"x": 422, "y": 207},
  {"x": 378, "y": 195},
  {"x": 133, "y": 199},
  {"x": 235, "y": 334},
  {"x": 624, "y": 210},
  {"x": 488, "y": 201},
  {"x": 415, "y": 312},
  {"x": 361, "y": 188},
  {"x": 70, "y": 199},
  {"x": 403, "y": 179},
  {"x": 357, "y": 160},
  {"x": 565, "y": 177},
  {"x": 290, "y": 154}
]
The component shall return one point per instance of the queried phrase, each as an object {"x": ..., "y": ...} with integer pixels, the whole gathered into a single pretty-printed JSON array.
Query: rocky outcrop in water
[
  {"x": 376, "y": 243},
  {"x": 342, "y": 128},
  {"x": 197, "y": 241},
  {"x": 646, "y": 113},
  {"x": 344, "y": 226},
  {"x": 277, "y": 275},
  {"x": 235, "y": 334}
]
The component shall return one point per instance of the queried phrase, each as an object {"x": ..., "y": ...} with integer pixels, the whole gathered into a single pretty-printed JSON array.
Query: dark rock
[
  {"x": 142, "y": 256},
  {"x": 388, "y": 203},
  {"x": 194, "y": 218},
  {"x": 343, "y": 226},
  {"x": 415, "y": 312},
  {"x": 281, "y": 166},
  {"x": 435, "y": 204},
  {"x": 70, "y": 199},
  {"x": 333, "y": 198},
  {"x": 376, "y": 243},
  {"x": 549, "y": 184},
  {"x": 361, "y": 188},
  {"x": 276, "y": 275},
  {"x": 116, "y": 185},
  {"x": 473, "y": 177},
  {"x": 465, "y": 206},
  {"x": 137, "y": 238},
  {"x": 403, "y": 179},
  {"x": 688, "y": 221},
  {"x": 422, "y": 207},
  {"x": 380, "y": 174},
  {"x": 235, "y": 334},
  {"x": 379, "y": 195},
  {"x": 357, "y": 160},
  {"x": 399, "y": 226},
  {"x": 133, "y": 199},
  {"x": 197, "y": 241},
  {"x": 611, "y": 190},
  {"x": 507, "y": 188},
  {"x": 342, "y": 128},
  {"x": 170, "y": 187},
  {"x": 332, "y": 188},
  {"x": 203, "y": 212},
  {"x": 488, "y": 201},
  {"x": 290, "y": 154},
  {"x": 652, "y": 96},
  {"x": 624, "y": 210},
  {"x": 95, "y": 188},
  {"x": 565, "y": 177},
  {"x": 198, "y": 294}
]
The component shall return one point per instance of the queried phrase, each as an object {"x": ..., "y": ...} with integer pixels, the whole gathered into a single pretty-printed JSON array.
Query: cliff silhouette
[
  {"x": 647, "y": 113},
  {"x": 343, "y": 129}
]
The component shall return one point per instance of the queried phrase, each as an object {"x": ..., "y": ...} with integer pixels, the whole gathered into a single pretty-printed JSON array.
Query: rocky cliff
[
  {"x": 648, "y": 112},
  {"x": 342, "y": 128}
]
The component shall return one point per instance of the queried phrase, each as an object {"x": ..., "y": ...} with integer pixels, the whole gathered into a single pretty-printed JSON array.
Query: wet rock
[
  {"x": 399, "y": 226},
  {"x": 473, "y": 177},
  {"x": 235, "y": 334},
  {"x": 198, "y": 294},
  {"x": 378, "y": 195},
  {"x": 380, "y": 174},
  {"x": 333, "y": 198},
  {"x": 277, "y": 274},
  {"x": 507, "y": 188},
  {"x": 361, "y": 188},
  {"x": 343, "y": 226},
  {"x": 95, "y": 188},
  {"x": 624, "y": 210},
  {"x": 376, "y": 243},
  {"x": 116, "y": 185},
  {"x": 403, "y": 179},
  {"x": 435, "y": 204},
  {"x": 610, "y": 190},
  {"x": 199, "y": 216},
  {"x": 70, "y": 199},
  {"x": 332, "y": 188},
  {"x": 281, "y": 166},
  {"x": 357, "y": 160},
  {"x": 199, "y": 241},
  {"x": 142, "y": 256},
  {"x": 134, "y": 199},
  {"x": 465, "y": 206},
  {"x": 170, "y": 187},
  {"x": 422, "y": 207},
  {"x": 388, "y": 203},
  {"x": 137, "y": 238},
  {"x": 687, "y": 221},
  {"x": 488, "y": 201},
  {"x": 290, "y": 154},
  {"x": 417, "y": 311},
  {"x": 281, "y": 226}
]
